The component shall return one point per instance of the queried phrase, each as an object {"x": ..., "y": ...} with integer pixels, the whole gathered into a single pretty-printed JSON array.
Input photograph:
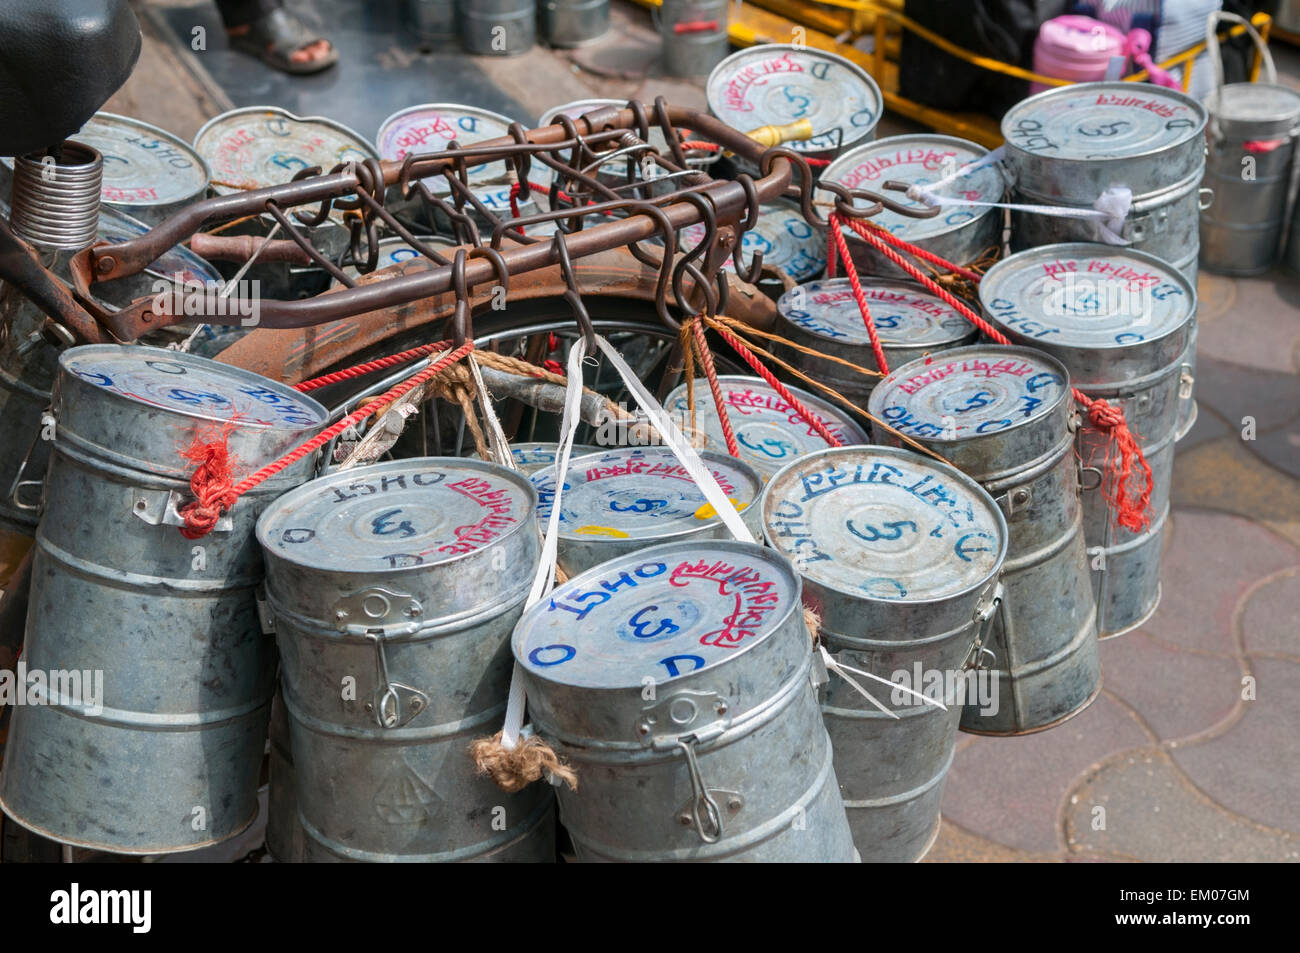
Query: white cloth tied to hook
[{"x": 1109, "y": 211}]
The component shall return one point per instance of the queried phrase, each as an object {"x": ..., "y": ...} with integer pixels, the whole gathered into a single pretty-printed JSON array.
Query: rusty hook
[
  {"x": 311, "y": 221},
  {"x": 664, "y": 264},
  {"x": 521, "y": 162},
  {"x": 805, "y": 180},
  {"x": 462, "y": 328},
  {"x": 498, "y": 265},
  {"x": 571, "y": 294},
  {"x": 754, "y": 272}
]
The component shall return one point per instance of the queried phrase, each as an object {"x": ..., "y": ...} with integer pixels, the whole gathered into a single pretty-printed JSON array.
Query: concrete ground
[{"x": 1192, "y": 749}]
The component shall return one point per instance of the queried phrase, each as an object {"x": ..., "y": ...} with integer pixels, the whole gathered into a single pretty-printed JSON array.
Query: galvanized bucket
[
  {"x": 824, "y": 315},
  {"x": 677, "y": 681},
  {"x": 961, "y": 234},
  {"x": 1252, "y": 137},
  {"x": 498, "y": 27},
  {"x": 1070, "y": 144},
  {"x": 284, "y": 837},
  {"x": 769, "y": 431},
  {"x": 1121, "y": 322},
  {"x": 148, "y": 172},
  {"x": 403, "y": 580},
  {"x": 1005, "y": 417},
  {"x": 900, "y": 558},
  {"x": 531, "y": 457},
  {"x": 431, "y": 127},
  {"x": 788, "y": 243},
  {"x": 572, "y": 23},
  {"x": 259, "y": 146},
  {"x": 620, "y": 501},
  {"x": 695, "y": 35},
  {"x": 779, "y": 83},
  {"x": 435, "y": 22},
  {"x": 167, "y": 758}
]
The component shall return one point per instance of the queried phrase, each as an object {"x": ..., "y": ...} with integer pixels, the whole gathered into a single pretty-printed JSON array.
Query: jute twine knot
[
  {"x": 814, "y": 623},
  {"x": 212, "y": 484},
  {"x": 513, "y": 770}
]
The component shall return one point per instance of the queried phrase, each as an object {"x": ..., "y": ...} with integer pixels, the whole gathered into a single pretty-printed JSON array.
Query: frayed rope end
[
  {"x": 514, "y": 769},
  {"x": 1124, "y": 459},
  {"x": 213, "y": 481}
]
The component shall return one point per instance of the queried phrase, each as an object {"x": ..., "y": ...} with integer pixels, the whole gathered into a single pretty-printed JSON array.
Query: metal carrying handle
[
  {"x": 700, "y": 795},
  {"x": 984, "y": 625},
  {"x": 1216, "y": 54}
]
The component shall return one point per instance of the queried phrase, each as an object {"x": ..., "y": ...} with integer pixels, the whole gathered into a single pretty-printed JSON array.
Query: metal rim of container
[{"x": 953, "y": 473}]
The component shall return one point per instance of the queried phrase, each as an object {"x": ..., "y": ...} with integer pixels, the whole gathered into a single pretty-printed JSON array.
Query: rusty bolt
[{"x": 105, "y": 263}]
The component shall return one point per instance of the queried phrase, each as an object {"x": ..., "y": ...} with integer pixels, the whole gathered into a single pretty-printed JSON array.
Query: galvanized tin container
[
  {"x": 498, "y": 27},
  {"x": 824, "y": 315},
  {"x": 404, "y": 581},
  {"x": 167, "y": 758},
  {"x": 572, "y": 23},
  {"x": 900, "y": 558},
  {"x": 148, "y": 172},
  {"x": 435, "y": 23},
  {"x": 1121, "y": 322},
  {"x": 1251, "y": 139},
  {"x": 258, "y": 146},
  {"x": 431, "y": 127},
  {"x": 769, "y": 431},
  {"x": 1005, "y": 417},
  {"x": 531, "y": 457},
  {"x": 284, "y": 836},
  {"x": 779, "y": 83},
  {"x": 677, "y": 683},
  {"x": 694, "y": 35},
  {"x": 958, "y": 233},
  {"x": 620, "y": 501},
  {"x": 784, "y": 237},
  {"x": 1070, "y": 144}
]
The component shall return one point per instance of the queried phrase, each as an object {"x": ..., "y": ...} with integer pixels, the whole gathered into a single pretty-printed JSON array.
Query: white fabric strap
[
  {"x": 544, "y": 579},
  {"x": 843, "y": 671},
  {"x": 678, "y": 444}
]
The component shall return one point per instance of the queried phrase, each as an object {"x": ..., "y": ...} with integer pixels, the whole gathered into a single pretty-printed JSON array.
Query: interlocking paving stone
[
  {"x": 1237, "y": 391},
  {"x": 1254, "y": 767},
  {"x": 1209, "y": 426},
  {"x": 955, "y": 845},
  {"x": 1270, "y": 621},
  {"x": 1151, "y": 813},
  {"x": 1178, "y": 694},
  {"x": 1260, "y": 327},
  {"x": 1280, "y": 447},
  {"x": 1208, "y": 566},
  {"x": 1215, "y": 296},
  {"x": 1222, "y": 476},
  {"x": 1010, "y": 790}
]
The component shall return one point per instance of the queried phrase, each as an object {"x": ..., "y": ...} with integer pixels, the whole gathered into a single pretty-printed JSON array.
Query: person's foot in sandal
[{"x": 279, "y": 39}]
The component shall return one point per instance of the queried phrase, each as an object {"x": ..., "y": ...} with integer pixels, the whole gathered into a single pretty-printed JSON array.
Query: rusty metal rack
[{"x": 591, "y": 216}]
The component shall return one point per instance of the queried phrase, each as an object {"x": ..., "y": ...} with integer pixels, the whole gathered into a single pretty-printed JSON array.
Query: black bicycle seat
[{"x": 60, "y": 61}]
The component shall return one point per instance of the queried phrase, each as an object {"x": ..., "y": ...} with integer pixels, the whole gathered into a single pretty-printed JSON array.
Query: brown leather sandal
[{"x": 276, "y": 36}]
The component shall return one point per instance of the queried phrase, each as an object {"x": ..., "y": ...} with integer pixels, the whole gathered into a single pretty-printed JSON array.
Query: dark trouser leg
[{"x": 236, "y": 13}]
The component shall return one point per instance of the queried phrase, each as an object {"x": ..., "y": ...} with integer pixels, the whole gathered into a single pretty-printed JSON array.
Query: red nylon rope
[
  {"x": 1123, "y": 456},
  {"x": 711, "y": 374},
  {"x": 211, "y": 482},
  {"x": 842, "y": 247},
  {"x": 752, "y": 360},
  {"x": 358, "y": 370}
]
